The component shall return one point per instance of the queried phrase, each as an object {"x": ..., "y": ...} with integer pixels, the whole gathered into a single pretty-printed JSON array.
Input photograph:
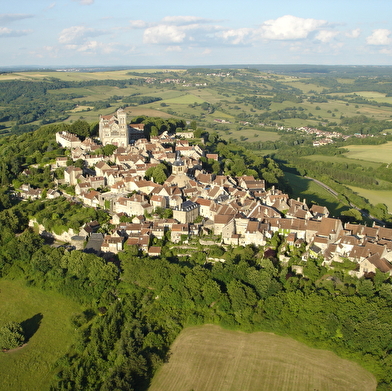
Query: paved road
[{"x": 335, "y": 194}]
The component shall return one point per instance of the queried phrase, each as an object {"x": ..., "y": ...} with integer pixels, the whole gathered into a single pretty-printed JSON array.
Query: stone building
[
  {"x": 187, "y": 212},
  {"x": 114, "y": 129}
]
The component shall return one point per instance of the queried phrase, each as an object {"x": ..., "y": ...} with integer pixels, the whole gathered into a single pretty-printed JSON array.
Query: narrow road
[{"x": 335, "y": 194}]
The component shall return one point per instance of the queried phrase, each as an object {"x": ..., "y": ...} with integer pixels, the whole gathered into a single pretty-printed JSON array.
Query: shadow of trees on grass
[{"x": 30, "y": 326}]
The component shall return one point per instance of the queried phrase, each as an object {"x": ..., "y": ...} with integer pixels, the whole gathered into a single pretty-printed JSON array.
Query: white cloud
[
  {"x": 326, "y": 35},
  {"x": 237, "y": 36},
  {"x": 85, "y": 2},
  {"x": 183, "y": 20},
  {"x": 164, "y": 34},
  {"x": 379, "y": 37},
  {"x": 78, "y": 34},
  {"x": 138, "y": 24},
  {"x": 88, "y": 46},
  {"x": 386, "y": 51},
  {"x": 354, "y": 33},
  {"x": 7, "y": 18},
  {"x": 5, "y": 32},
  {"x": 174, "y": 49},
  {"x": 290, "y": 27},
  {"x": 178, "y": 30}
]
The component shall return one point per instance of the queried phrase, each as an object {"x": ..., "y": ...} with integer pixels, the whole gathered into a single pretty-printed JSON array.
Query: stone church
[{"x": 113, "y": 129}]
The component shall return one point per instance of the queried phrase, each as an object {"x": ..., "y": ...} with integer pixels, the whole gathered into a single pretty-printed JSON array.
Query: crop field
[
  {"x": 46, "y": 316},
  {"x": 209, "y": 358},
  {"x": 373, "y": 153},
  {"x": 375, "y": 196}
]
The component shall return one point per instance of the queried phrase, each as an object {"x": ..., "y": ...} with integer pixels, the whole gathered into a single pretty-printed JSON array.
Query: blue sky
[{"x": 201, "y": 32}]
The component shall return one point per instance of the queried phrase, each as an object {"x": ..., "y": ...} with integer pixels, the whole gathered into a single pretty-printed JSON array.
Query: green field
[
  {"x": 185, "y": 99},
  {"x": 46, "y": 316},
  {"x": 342, "y": 159},
  {"x": 374, "y": 153},
  {"x": 251, "y": 135},
  {"x": 375, "y": 196},
  {"x": 208, "y": 358},
  {"x": 314, "y": 193},
  {"x": 377, "y": 96}
]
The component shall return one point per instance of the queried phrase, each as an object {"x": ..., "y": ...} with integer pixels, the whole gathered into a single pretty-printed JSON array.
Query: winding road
[{"x": 335, "y": 194}]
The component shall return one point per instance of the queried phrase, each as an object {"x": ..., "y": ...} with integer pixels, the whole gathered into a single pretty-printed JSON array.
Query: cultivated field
[
  {"x": 46, "y": 316},
  {"x": 374, "y": 153},
  {"x": 208, "y": 358}
]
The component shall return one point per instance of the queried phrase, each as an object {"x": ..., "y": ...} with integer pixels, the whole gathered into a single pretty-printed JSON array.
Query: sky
[{"x": 52, "y": 33}]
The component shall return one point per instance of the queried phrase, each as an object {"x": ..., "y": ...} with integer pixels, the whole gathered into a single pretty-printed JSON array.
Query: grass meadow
[
  {"x": 314, "y": 193},
  {"x": 46, "y": 317},
  {"x": 375, "y": 196},
  {"x": 251, "y": 135},
  {"x": 209, "y": 358},
  {"x": 373, "y": 153}
]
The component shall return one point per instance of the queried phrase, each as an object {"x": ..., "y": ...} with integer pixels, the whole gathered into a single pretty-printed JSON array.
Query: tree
[{"x": 11, "y": 336}]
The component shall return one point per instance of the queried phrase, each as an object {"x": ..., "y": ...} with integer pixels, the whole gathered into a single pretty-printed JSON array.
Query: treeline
[
  {"x": 59, "y": 215},
  {"x": 346, "y": 173},
  {"x": 125, "y": 332},
  {"x": 153, "y": 126},
  {"x": 140, "y": 100},
  {"x": 237, "y": 160},
  {"x": 17, "y": 152}
]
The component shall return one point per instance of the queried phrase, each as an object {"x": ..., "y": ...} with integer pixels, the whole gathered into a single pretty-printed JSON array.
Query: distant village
[{"x": 236, "y": 210}]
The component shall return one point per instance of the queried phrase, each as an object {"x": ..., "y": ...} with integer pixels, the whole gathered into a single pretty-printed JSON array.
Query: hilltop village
[{"x": 194, "y": 203}]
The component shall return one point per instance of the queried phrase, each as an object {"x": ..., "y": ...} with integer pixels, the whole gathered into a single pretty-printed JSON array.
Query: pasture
[
  {"x": 185, "y": 99},
  {"x": 373, "y": 153},
  {"x": 375, "y": 196},
  {"x": 209, "y": 358},
  {"x": 250, "y": 134},
  {"x": 46, "y": 317}
]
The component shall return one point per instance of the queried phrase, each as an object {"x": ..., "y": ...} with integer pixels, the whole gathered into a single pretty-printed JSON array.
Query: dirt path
[{"x": 14, "y": 350}]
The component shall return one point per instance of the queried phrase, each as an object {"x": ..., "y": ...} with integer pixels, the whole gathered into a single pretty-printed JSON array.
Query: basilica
[{"x": 113, "y": 129}]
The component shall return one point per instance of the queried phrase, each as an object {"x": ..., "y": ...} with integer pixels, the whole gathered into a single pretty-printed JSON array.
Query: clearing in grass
[
  {"x": 45, "y": 317},
  {"x": 210, "y": 358}
]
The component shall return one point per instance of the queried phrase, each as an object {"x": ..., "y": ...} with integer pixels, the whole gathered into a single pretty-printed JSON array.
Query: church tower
[
  {"x": 178, "y": 166},
  {"x": 123, "y": 128}
]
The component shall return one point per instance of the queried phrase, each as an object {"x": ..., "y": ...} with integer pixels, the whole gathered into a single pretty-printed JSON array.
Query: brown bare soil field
[{"x": 209, "y": 358}]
